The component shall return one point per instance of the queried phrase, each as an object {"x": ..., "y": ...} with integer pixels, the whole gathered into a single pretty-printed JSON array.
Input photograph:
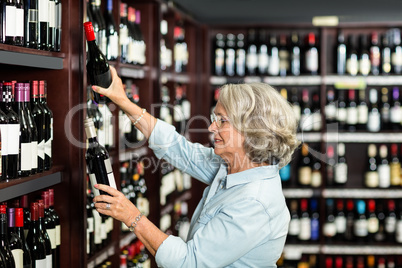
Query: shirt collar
[{"x": 250, "y": 175}]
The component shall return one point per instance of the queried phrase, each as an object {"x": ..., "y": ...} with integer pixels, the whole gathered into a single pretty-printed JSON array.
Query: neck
[{"x": 240, "y": 165}]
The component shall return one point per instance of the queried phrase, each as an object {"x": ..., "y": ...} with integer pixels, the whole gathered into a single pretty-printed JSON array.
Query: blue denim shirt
[{"x": 244, "y": 224}]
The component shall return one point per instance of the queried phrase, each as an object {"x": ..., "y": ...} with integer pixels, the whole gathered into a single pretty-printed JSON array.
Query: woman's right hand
[{"x": 115, "y": 92}]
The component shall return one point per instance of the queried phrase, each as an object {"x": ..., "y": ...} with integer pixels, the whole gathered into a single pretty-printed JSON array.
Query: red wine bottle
[
  {"x": 42, "y": 229},
  {"x": 9, "y": 11},
  {"x": 19, "y": 23},
  {"x": 34, "y": 130},
  {"x": 27, "y": 215},
  {"x": 31, "y": 24},
  {"x": 48, "y": 124},
  {"x": 4, "y": 142},
  {"x": 56, "y": 219},
  {"x": 43, "y": 25},
  {"x": 16, "y": 246},
  {"x": 52, "y": 24},
  {"x": 97, "y": 158},
  {"x": 35, "y": 240},
  {"x": 13, "y": 127},
  {"x": 57, "y": 42},
  {"x": 50, "y": 226},
  {"x": 97, "y": 66},
  {"x": 5, "y": 250},
  {"x": 25, "y": 156},
  {"x": 39, "y": 119},
  {"x": 19, "y": 231},
  {"x": 112, "y": 38}
]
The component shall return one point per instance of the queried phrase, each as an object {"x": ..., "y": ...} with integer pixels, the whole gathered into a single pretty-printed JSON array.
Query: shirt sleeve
[
  {"x": 221, "y": 241},
  {"x": 195, "y": 159}
]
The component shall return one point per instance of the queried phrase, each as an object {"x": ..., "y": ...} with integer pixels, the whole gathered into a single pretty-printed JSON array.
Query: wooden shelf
[
  {"x": 175, "y": 77},
  {"x": 362, "y": 193},
  {"x": 302, "y": 80},
  {"x": 102, "y": 255},
  {"x": 29, "y": 57},
  {"x": 21, "y": 186}
]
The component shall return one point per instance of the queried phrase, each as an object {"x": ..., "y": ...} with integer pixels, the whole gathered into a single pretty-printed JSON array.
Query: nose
[{"x": 212, "y": 127}]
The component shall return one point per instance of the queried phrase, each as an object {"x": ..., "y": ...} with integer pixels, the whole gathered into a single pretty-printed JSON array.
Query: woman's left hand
[{"x": 116, "y": 205}]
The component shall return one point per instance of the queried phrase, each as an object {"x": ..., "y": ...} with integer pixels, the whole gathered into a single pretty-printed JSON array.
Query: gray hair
[{"x": 266, "y": 120}]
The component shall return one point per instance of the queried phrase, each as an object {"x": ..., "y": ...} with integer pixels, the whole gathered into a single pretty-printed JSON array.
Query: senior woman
[{"x": 242, "y": 219}]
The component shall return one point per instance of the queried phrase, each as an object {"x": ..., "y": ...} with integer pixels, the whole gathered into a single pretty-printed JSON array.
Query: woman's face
[{"x": 228, "y": 141}]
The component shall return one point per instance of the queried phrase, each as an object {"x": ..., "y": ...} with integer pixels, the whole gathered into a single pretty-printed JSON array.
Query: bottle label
[
  {"x": 351, "y": 116},
  {"x": 143, "y": 205},
  {"x": 33, "y": 16},
  {"x": 365, "y": 64},
  {"x": 340, "y": 222},
  {"x": 384, "y": 173},
  {"x": 10, "y": 21},
  {"x": 49, "y": 260},
  {"x": 398, "y": 232},
  {"x": 41, "y": 263},
  {"x": 34, "y": 157},
  {"x": 178, "y": 115},
  {"x": 315, "y": 229},
  {"x": 52, "y": 14},
  {"x": 390, "y": 225},
  {"x": 42, "y": 8},
  {"x": 273, "y": 67},
  {"x": 375, "y": 55},
  {"x": 26, "y": 155},
  {"x": 41, "y": 149},
  {"x": 371, "y": 179},
  {"x": 312, "y": 60},
  {"x": 123, "y": 36},
  {"x": 316, "y": 121},
  {"x": 294, "y": 227},
  {"x": 395, "y": 173},
  {"x": 18, "y": 255},
  {"x": 97, "y": 230},
  {"x": 305, "y": 229},
  {"x": 230, "y": 62},
  {"x": 186, "y": 106},
  {"x": 306, "y": 122},
  {"x": 52, "y": 236},
  {"x": 360, "y": 228},
  {"x": 316, "y": 178},
  {"x": 90, "y": 225},
  {"x": 297, "y": 111},
  {"x": 103, "y": 231},
  {"x": 342, "y": 115},
  {"x": 48, "y": 147},
  {"x": 305, "y": 175},
  {"x": 109, "y": 171},
  {"x": 395, "y": 114},
  {"x": 373, "y": 123},
  {"x": 263, "y": 61},
  {"x": 284, "y": 60},
  {"x": 330, "y": 111},
  {"x": 219, "y": 59},
  {"x": 329, "y": 229},
  {"x": 58, "y": 235},
  {"x": 19, "y": 28},
  {"x": 372, "y": 225},
  {"x": 13, "y": 136},
  {"x": 92, "y": 178},
  {"x": 362, "y": 111},
  {"x": 252, "y": 61},
  {"x": 352, "y": 65},
  {"x": 4, "y": 139},
  {"x": 341, "y": 173},
  {"x": 396, "y": 56},
  {"x": 240, "y": 62},
  {"x": 113, "y": 46}
]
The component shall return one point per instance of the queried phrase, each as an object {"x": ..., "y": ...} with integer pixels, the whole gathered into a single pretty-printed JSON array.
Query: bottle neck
[{"x": 91, "y": 134}]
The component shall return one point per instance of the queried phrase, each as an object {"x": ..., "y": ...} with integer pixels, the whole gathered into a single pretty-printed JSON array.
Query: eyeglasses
[{"x": 219, "y": 120}]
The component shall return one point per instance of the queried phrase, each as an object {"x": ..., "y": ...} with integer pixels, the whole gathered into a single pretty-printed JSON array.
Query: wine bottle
[
  {"x": 306, "y": 117},
  {"x": 364, "y": 56},
  {"x": 361, "y": 223},
  {"x": 27, "y": 215},
  {"x": 295, "y": 103},
  {"x": 32, "y": 126},
  {"x": 42, "y": 229},
  {"x": 316, "y": 176},
  {"x": 340, "y": 220},
  {"x": 315, "y": 221},
  {"x": 295, "y": 55},
  {"x": 330, "y": 168},
  {"x": 384, "y": 170},
  {"x": 396, "y": 51},
  {"x": 374, "y": 115},
  {"x": 13, "y": 127},
  {"x": 385, "y": 109},
  {"x": 99, "y": 25},
  {"x": 97, "y": 158},
  {"x": 329, "y": 228},
  {"x": 19, "y": 23},
  {"x": 380, "y": 235},
  {"x": 284, "y": 56},
  {"x": 375, "y": 54},
  {"x": 52, "y": 25},
  {"x": 398, "y": 228},
  {"x": 166, "y": 51},
  {"x": 372, "y": 220},
  {"x": 371, "y": 179},
  {"x": 219, "y": 53},
  {"x": 352, "y": 59},
  {"x": 352, "y": 115},
  {"x": 390, "y": 221},
  {"x": 350, "y": 220},
  {"x": 123, "y": 33},
  {"x": 230, "y": 55},
  {"x": 294, "y": 225},
  {"x": 240, "y": 56},
  {"x": 5, "y": 250},
  {"x": 395, "y": 167},
  {"x": 35, "y": 240},
  {"x": 112, "y": 37},
  {"x": 395, "y": 112},
  {"x": 180, "y": 53},
  {"x": 342, "y": 115},
  {"x": 106, "y": 133},
  {"x": 38, "y": 115},
  {"x": 19, "y": 231},
  {"x": 142, "y": 45},
  {"x": 330, "y": 108},
  {"x": 9, "y": 13},
  {"x": 56, "y": 219},
  {"x": 252, "y": 60},
  {"x": 362, "y": 111},
  {"x": 132, "y": 51},
  {"x": 341, "y": 54},
  {"x": 341, "y": 168},
  {"x": 43, "y": 24},
  {"x": 50, "y": 226},
  {"x": 311, "y": 64},
  {"x": 4, "y": 142},
  {"x": 273, "y": 53},
  {"x": 48, "y": 124},
  {"x": 97, "y": 66},
  {"x": 385, "y": 55},
  {"x": 304, "y": 172},
  {"x": 25, "y": 146},
  {"x": 31, "y": 24},
  {"x": 305, "y": 221},
  {"x": 58, "y": 15},
  {"x": 262, "y": 55},
  {"x": 15, "y": 242},
  {"x": 90, "y": 227}
]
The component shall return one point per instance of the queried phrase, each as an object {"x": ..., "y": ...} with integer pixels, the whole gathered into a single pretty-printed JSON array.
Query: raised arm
[{"x": 115, "y": 92}]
